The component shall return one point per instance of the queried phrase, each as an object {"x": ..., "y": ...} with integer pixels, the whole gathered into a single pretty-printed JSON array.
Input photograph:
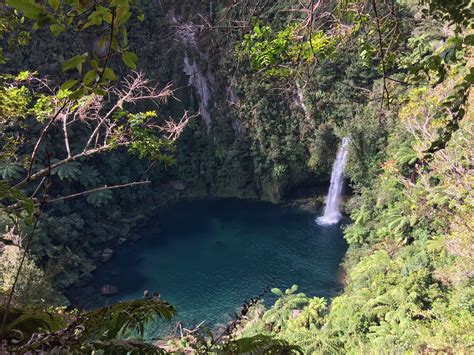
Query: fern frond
[
  {"x": 103, "y": 328},
  {"x": 260, "y": 344},
  {"x": 108, "y": 322},
  {"x": 22, "y": 323},
  {"x": 123, "y": 346}
]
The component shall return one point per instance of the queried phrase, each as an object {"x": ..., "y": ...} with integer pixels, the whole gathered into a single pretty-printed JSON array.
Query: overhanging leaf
[
  {"x": 56, "y": 29},
  {"x": 130, "y": 59},
  {"x": 29, "y": 8},
  {"x": 74, "y": 62}
]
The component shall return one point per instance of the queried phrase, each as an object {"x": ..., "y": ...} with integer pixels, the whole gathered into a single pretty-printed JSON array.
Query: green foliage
[
  {"x": 459, "y": 12},
  {"x": 33, "y": 288},
  {"x": 123, "y": 346},
  {"x": 130, "y": 59},
  {"x": 279, "y": 171},
  {"x": 409, "y": 267},
  {"x": 15, "y": 203},
  {"x": 406, "y": 155},
  {"x": 273, "y": 51},
  {"x": 405, "y": 265},
  {"x": 15, "y": 101},
  {"x": 13, "y": 37},
  {"x": 108, "y": 18},
  {"x": 109, "y": 322}
]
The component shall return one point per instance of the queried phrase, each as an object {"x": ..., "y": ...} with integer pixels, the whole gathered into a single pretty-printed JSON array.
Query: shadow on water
[{"x": 207, "y": 257}]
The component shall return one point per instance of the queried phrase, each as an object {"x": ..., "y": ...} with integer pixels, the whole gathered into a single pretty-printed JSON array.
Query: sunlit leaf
[
  {"x": 74, "y": 62},
  {"x": 130, "y": 59}
]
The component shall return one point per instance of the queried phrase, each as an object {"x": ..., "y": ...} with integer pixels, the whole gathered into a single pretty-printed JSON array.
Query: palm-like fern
[
  {"x": 310, "y": 316},
  {"x": 22, "y": 323},
  {"x": 259, "y": 344},
  {"x": 109, "y": 322},
  {"x": 100, "y": 329},
  {"x": 283, "y": 307},
  {"x": 122, "y": 346},
  {"x": 406, "y": 155}
]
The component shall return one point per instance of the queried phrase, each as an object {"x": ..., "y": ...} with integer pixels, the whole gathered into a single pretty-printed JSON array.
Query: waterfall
[{"x": 331, "y": 211}]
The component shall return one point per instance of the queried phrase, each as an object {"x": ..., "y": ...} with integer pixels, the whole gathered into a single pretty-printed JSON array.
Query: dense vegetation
[
  {"x": 86, "y": 155},
  {"x": 409, "y": 269}
]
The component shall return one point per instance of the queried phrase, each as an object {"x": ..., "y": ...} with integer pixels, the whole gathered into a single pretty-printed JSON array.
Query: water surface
[{"x": 207, "y": 257}]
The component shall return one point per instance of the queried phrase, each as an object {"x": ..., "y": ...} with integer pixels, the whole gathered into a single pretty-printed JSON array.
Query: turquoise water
[{"x": 207, "y": 257}]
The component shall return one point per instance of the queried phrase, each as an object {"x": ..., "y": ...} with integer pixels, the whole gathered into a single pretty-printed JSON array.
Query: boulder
[
  {"x": 108, "y": 290},
  {"x": 106, "y": 254},
  {"x": 135, "y": 236},
  {"x": 82, "y": 282},
  {"x": 177, "y": 185},
  {"x": 295, "y": 313}
]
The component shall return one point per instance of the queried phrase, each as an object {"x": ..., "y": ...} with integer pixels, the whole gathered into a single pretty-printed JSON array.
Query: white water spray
[{"x": 331, "y": 211}]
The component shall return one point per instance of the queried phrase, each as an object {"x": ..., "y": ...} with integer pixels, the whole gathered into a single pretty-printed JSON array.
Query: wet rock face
[{"x": 310, "y": 204}]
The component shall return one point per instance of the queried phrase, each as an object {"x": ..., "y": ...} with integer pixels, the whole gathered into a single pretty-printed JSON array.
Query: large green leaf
[
  {"x": 74, "y": 62},
  {"x": 130, "y": 59},
  {"x": 56, "y": 29},
  {"x": 29, "y": 8}
]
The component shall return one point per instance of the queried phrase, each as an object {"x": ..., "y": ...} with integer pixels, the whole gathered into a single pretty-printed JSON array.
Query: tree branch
[
  {"x": 41, "y": 137},
  {"x": 382, "y": 57},
  {"x": 103, "y": 188}
]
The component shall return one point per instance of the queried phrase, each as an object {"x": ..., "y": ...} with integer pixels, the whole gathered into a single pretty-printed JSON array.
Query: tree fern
[
  {"x": 309, "y": 340},
  {"x": 260, "y": 344},
  {"x": 310, "y": 316},
  {"x": 99, "y": 198},
  {"x": 406, "y": 155},
  {"x": 283, "y": 307},
  {"x": 102, "y": 329},
  {"x": 89, "y": 177},
  {"x": 10, "y": 171}
]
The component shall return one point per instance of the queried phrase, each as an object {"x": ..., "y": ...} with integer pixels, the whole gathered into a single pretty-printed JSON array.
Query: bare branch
[
  {"x": 42, "y": 135},
  {"x": 97, "y": 115},
  {"x": 103, "y": 188},
  {"x": 172, "y": 129},
  {"x": 66, "y": 138}
]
